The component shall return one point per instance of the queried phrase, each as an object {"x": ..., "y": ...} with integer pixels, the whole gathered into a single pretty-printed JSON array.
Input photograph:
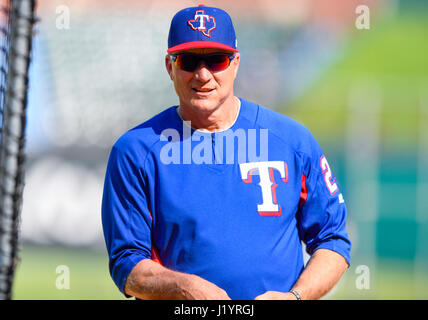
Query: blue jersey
[{"x": 232, "y": 208}]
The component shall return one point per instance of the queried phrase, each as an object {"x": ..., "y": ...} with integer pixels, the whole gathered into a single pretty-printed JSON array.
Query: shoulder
[
  {"x": 286, "y": 129},
  {"x": 139, "y": 140},
  {"x": 279, "y": 122}
]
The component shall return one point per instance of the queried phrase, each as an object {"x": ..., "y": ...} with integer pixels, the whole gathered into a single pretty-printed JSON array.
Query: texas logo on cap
[
  {"x": 201, "y": 21},
  {"x": 201, "y": 27}
]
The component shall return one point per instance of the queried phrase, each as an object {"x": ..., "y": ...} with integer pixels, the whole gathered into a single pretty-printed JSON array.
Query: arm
[
  {"x": 150, "y": 281},
  {"x": 321, "y": 274},
  {"x": 321, "y": 223},
  {"x": 127, "y": 227}
]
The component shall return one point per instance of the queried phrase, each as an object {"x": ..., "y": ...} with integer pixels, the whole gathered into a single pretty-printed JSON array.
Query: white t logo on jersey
[{"x": 264, "y": 169}]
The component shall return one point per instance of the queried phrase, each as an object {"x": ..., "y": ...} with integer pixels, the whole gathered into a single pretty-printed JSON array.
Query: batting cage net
[{"x": 16, "y": 30}]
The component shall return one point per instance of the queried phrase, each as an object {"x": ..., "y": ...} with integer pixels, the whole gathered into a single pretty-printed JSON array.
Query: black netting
[{"x": 16, "y": 30}]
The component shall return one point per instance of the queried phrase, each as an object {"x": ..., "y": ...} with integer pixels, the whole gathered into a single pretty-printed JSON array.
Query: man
[{"x": 212, "y": 198}]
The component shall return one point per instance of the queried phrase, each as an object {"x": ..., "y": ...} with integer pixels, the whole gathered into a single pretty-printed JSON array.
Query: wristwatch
[{"x": 296, "y": 294}]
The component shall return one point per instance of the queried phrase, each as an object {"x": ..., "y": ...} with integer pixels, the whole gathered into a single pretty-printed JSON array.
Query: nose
[{"x": 202, "y": 73}]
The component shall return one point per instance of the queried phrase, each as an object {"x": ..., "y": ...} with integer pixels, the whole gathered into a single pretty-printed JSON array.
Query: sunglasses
[{"x": 214, "y": 61}]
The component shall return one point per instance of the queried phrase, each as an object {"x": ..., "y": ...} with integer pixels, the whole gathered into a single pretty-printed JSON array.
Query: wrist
[
  {"x": 184, "y": 283},
  {"x": 189, "y": 285}
]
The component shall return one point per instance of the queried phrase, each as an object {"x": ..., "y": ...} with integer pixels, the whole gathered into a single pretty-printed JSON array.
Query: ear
[
  {"x": 235, "y": 63},
  {"x": 168, "y": 65}
]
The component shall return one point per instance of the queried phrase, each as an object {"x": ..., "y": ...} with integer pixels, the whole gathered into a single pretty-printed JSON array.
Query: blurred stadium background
[{"x": 98, "y": 70}]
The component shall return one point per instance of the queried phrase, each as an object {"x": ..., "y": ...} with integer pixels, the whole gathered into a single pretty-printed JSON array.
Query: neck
[{"x": 218, "y": 119}]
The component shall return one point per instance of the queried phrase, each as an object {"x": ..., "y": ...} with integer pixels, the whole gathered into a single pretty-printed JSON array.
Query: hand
[
  {"x": 149, "y": 280},
  {"x": 276, "y": 295},
  {"x": 197, "y": 288}
]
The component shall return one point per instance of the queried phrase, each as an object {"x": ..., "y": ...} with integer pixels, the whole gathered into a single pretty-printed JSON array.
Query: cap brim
[{"x": 201, "y": 44}]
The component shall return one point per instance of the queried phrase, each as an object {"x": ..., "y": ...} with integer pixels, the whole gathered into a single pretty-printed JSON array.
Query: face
[{"x": 203, "y": 90}]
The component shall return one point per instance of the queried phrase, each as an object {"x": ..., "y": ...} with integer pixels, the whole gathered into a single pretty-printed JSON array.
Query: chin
[{"x": 203, "y": 105}]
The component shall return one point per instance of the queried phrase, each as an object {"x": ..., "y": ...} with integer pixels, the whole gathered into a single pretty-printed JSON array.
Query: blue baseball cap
[{"x": 201, "y": 27}]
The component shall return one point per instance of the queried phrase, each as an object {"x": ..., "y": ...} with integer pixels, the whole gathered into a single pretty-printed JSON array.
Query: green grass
[
  {"x": 88, "y": 270},
  {"x": 89, "y": 279},
  {"x": 389, "y": 280}
]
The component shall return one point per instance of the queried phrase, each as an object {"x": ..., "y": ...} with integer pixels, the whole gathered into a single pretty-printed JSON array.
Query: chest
[{"x": 228, "y": 194}]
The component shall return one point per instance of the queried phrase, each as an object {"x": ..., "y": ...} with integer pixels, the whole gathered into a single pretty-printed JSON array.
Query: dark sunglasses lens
[
  {"x": 187, "y": 62},
  {"x": 217, "y": 62},
  {"x": 190, "y": 62}
]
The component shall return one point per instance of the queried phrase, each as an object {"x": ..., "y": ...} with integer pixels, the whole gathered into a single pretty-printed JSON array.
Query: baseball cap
[{"x": 201, "y": 27}]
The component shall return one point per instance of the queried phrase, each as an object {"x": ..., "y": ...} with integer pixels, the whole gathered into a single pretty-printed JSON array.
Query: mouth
[{"x": 202, "y": 91}]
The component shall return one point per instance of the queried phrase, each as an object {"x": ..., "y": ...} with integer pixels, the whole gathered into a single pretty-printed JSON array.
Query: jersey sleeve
[
  {"x": 322, "y": 212},
  {"x": 126, "y": 218}
]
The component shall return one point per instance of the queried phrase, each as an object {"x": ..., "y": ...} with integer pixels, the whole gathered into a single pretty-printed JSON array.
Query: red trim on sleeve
[
  {"x": 154, "y": 252},
  {"x": 155, "y": 255},
  {"x": 303, "y": 192}
]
